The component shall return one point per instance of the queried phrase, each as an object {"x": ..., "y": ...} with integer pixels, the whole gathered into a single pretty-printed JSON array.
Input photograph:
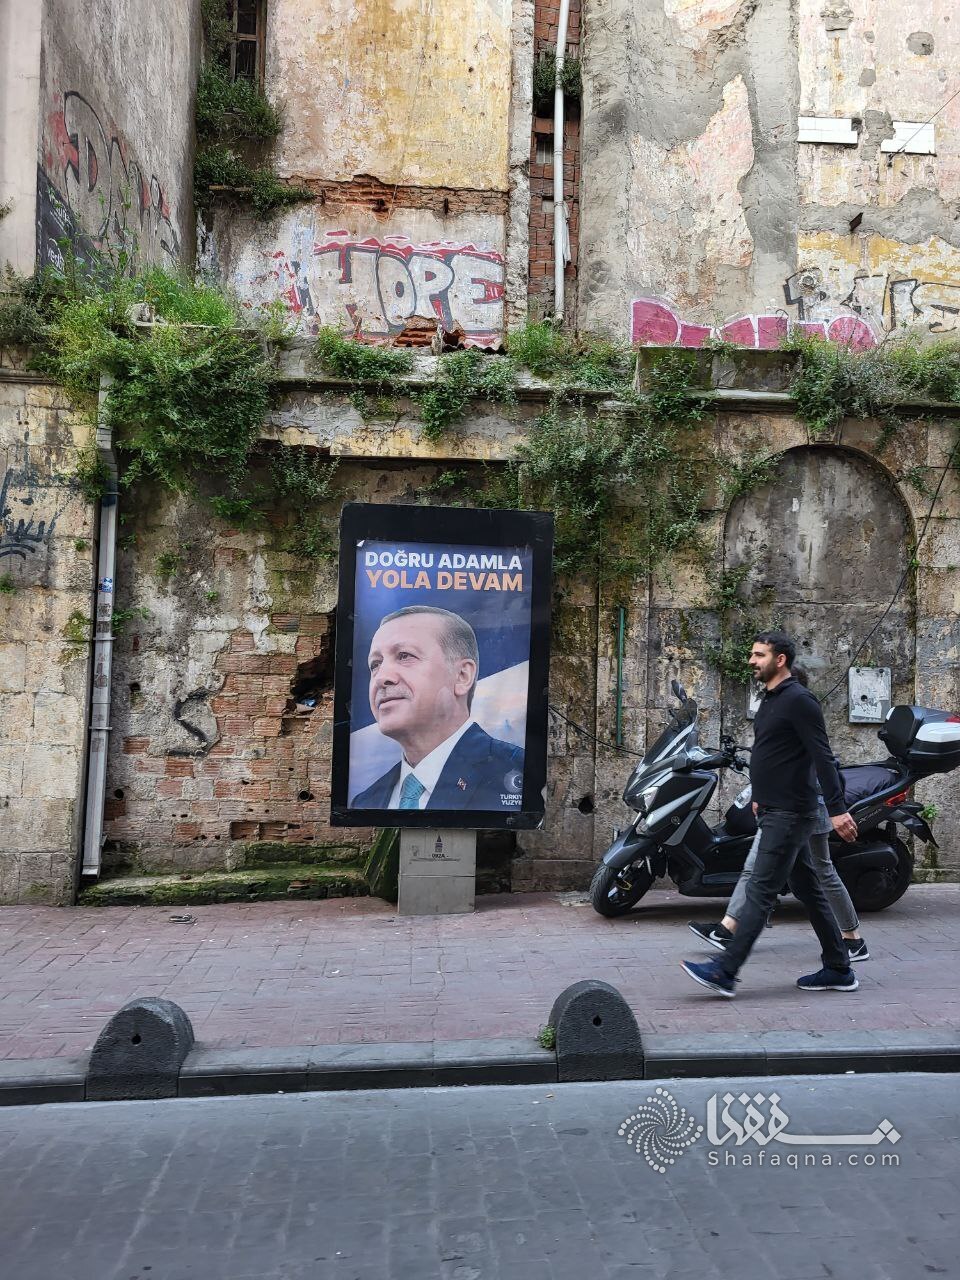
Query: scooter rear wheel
[
  {"x": 877, "y": 890},
  {"x": 614, "y": 893}
]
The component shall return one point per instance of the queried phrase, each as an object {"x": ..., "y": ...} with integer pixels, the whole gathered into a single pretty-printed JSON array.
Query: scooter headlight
[{"x": 649, "y": 797}]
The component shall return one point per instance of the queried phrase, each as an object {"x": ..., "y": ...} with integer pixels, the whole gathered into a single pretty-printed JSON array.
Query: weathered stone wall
[
  {"x": 337, "y": 263},
  {"x": 19, "y": 132},
  {"x": 116, "y": 115},
  {"x": 412, "y": 156},
  {"x": 223, "y": 665},
  {"x": 408, "y": 68},
  {"x": 46, "y": 578},
  {"x": 216, "y": 745},
  {"x": 706, "y": 209}
]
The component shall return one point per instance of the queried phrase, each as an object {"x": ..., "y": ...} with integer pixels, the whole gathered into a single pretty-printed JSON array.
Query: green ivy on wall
[{"x": 621, "y": 461}]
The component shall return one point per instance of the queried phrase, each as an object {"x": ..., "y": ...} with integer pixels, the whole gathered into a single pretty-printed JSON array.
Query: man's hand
[
  {"x": 845, "y": 827},
  {"x": 754, "y": 807}
]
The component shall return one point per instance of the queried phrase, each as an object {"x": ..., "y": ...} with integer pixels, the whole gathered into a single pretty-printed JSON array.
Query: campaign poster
[{"x": 441, "y": 667}]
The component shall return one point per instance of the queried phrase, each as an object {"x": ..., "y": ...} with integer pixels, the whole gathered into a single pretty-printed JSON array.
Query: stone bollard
[
  {"x": 597, "y": 1037},
  {"x": 139, "y": 1052}
]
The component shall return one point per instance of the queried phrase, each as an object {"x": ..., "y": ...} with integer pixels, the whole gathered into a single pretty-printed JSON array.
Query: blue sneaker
[
  {"x": 711, "y": 976},
  {"x": 829, "y": 980}
]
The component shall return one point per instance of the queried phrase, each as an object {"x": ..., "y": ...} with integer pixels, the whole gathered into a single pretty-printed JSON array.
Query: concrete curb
[
  {"x": 788, "y": 1053},
  {"x": 210, "y": 1073}
]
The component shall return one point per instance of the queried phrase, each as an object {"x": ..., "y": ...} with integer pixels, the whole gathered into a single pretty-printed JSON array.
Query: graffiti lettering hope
[{"x": 382, "y": 285}]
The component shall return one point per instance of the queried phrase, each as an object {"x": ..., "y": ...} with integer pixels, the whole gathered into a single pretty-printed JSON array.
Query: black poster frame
[{"x": 456, "y": 526}]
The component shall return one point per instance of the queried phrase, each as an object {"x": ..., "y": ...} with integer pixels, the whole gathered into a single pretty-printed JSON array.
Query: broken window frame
[{"x": 237, "y": 38}]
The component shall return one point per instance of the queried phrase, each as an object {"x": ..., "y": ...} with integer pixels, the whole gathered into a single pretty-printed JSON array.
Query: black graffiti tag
[{"x": 21, "y": 533}]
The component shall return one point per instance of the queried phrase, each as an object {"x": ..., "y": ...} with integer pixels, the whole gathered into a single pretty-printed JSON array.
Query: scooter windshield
[{"x": 677, "y": 735}]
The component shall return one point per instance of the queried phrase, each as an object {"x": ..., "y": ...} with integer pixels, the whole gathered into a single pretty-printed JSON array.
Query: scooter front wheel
[{"x": 614, "y": 893}]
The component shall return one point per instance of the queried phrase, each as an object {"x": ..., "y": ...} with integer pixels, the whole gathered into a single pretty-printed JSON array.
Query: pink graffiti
[{"x": 656, "y": 324}]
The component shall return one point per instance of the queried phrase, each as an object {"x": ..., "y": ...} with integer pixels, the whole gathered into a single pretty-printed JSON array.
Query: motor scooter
[{"x": 672, "y": 785}]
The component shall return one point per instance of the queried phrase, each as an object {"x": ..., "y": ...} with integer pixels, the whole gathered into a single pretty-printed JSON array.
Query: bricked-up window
[{"x": 247, "y": 22}]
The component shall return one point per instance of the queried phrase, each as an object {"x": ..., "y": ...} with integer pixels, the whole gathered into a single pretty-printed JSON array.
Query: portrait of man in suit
[{"x": 424, "y": 664}]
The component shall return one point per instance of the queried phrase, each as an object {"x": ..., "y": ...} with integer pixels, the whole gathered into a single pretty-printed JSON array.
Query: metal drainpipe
[
  {"x": 561, "y": 240},
  {"x": 102, "y": 647},
  {"x": 621, "y": 619}
]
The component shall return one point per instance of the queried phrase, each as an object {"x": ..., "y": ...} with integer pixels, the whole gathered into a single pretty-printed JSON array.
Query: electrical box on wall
[{"x": 869, "y": 694}]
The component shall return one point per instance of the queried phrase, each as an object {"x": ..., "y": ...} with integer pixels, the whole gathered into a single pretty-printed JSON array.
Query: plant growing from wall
[
  {"x": 219, "y": 172},
  {"x": 304, "y": 480},
  {"x": 835, "y": 382},
  {"x": 545, "y": 79},
  {"x": 579, "y": 464},
  {"x": 120, "y": 619},
  {"x": 371, "y": 370},
  {"x": 738, "y": 478},
  {"x": 189, "y": 392},
  {"x": 168, "y": 564},
  {"x": 740, "y": 617},
  {"x": 76, "y": 631},
  {"x": 21, "y": 307},
  {"x": 234, "y": 120},
  {"x": 233, "y": 109},
  {"x": 460, "y": 377},
  {"x": 582, "y": 360}
]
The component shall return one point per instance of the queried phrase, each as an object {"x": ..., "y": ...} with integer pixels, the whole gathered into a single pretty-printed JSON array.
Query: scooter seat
[{"x": 862, "y": 780}]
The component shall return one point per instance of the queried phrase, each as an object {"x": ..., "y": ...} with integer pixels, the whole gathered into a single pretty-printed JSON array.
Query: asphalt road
[{"x": 532, "y": 1183}]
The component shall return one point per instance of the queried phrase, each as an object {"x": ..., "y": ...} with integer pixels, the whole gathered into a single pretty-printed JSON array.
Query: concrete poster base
[{"x": 438, "y": 871}]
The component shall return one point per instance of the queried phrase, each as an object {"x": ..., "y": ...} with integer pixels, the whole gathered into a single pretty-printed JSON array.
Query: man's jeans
[
  {"x": 783, "y": 855},
  {"x": 836, "y": 891}
]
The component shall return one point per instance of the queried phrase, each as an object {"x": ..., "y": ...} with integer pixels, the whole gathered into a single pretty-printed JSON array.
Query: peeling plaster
[
  {"x": 413, "y": 92},
  {"x": 690, "y": 194}
]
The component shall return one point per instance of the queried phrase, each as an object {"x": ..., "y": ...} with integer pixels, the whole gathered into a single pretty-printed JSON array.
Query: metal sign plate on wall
[{"x": 869, "y": 692}]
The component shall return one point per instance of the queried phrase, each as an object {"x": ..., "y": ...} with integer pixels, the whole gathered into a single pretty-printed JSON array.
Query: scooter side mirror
[{"x": 678, "y": 690}]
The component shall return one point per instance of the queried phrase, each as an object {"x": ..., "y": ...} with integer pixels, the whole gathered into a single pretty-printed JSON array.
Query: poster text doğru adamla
[{"x": 449, "y": 571}]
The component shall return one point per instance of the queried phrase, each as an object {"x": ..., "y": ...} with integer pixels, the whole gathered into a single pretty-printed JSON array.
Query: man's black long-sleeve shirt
[{"x": 791, "y": 750}]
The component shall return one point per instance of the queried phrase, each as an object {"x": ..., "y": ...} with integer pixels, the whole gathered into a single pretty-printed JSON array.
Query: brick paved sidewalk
[{"x": 298, "y": 973}]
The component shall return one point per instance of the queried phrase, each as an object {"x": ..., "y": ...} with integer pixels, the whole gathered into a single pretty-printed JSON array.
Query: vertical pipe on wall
[
  {"x": 621, "y": 619},
  {"x": 102, "y": 647},
  {"x": 561, "y": 240}
]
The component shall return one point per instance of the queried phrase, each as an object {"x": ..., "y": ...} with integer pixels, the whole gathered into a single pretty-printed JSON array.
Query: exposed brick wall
[
  {"x": 541, "y": 174},
  {"x": 267, "y": 774},
  {"x": 367, "y": 192}
]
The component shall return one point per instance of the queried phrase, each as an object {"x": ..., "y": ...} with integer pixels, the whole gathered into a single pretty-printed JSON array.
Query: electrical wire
[
  {"x": 903, "y": 577},
  {"x": 611, "y": 746},
  {"x": 922, "y": 127}
]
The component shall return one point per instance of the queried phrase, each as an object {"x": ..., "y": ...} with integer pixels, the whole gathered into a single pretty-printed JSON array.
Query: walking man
[
  {"x": 719, "y": 934},
  {"x": 791, "y": 753}
]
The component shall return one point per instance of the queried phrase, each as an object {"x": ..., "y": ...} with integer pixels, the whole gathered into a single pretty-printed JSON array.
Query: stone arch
[{"x": 828, "y": 539}]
